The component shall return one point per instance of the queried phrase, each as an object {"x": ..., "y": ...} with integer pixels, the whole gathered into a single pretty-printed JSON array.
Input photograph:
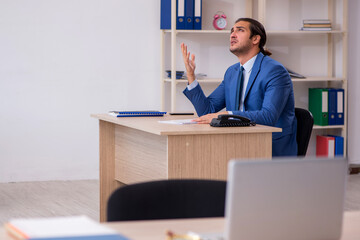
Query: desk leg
[{"x": 107, "y": 165}]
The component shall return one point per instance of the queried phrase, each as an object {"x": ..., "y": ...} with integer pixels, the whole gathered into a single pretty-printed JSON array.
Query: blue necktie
[{"x": 239, "y": 88}]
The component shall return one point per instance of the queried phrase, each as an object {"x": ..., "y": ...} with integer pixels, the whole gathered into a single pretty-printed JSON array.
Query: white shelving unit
[{"x": 329, "y": 79}]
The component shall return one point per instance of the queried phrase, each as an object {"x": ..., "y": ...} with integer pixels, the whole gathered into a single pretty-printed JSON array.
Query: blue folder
[
  {"x": 332, "y": 100},
  {"x": 165, "y": 14},
  {"x": 180, "y": 14},
  {"x": 197, "y": 14},
  {"x": 189, "y": 14},
  {"x": 339, "y": 145},
  {"x": 339, "y": 118},
  {"x": 137, "y": 113}
]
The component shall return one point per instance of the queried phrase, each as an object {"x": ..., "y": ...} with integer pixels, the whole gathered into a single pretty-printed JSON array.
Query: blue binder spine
[
  {"x": 136, "y": 113},
  {"x": 339, "y": 118},
  {"x": 189, "y": 14},
  {"x": 180, "y": 15},
  {"x": 339, "y": 145},
  {"x": 165, "y": 14},
  {"x": 197, "y": 14},
  {"x": 332, "y": 101}
]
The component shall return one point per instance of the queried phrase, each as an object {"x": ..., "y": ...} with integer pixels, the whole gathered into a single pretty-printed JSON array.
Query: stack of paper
[
  {"x": 179, "y": 121},
  {"x": 60, "y": 228}
]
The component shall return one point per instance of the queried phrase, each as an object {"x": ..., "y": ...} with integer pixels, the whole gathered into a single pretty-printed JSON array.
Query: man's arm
[
  {"x": 203, "y": 105},
  {"x": 189, "y": 63}
]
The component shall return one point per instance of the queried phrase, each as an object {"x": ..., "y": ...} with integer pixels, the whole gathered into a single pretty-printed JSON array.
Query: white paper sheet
[{"x": 179, "y": 121}]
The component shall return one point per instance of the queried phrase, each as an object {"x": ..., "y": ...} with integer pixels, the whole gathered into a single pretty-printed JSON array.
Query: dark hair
[{"x": 256, "y": 28}]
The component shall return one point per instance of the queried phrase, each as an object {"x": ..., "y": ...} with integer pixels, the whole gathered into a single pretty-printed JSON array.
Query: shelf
[
  {"x": 281, "y": 35},
  {"x": 328, "y": 127},
  {"x": 318, "y": 79},
  {"x": 273, "y": 32},
  {"x": 227, "y": 31},
  {"x": 308, "y": 79},
  {"x": 208, "y": 80},
  {"x": 303, "y": 32}
]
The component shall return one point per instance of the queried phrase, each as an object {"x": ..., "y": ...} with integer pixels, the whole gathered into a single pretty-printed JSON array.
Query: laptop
[{"x": 285, "y": 199}]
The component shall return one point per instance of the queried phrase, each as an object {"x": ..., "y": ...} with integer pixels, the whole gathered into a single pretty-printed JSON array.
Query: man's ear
[{"x": 256, "y": 39}]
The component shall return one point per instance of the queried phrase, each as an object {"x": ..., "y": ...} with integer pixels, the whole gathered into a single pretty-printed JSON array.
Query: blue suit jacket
[{"x": 269, "y": 100}]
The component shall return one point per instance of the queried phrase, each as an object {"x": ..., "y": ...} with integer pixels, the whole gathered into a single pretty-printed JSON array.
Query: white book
[
  {"x": 74, "y": 227},
  {"x": 316, "y": 29}
]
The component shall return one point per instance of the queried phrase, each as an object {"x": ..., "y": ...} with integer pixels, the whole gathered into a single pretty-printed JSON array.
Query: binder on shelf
[
  {"x": 180, "y": 14},
  {"x": 189, "y": 14},
  {"x": 165, "y": 14},
  {"x": 332, "y": 99},
  {"x": 339, "y": 118},
  {"x": 136, "y": 113},
  {"x": 197, "y": 14},
  {"x": 325, "y": 146},
  {"x": 339, "y": 145},
  {"x": 181, "y": 7},
  {"x": 318, "y": 105},
  {"x": 336, "y": 106}
]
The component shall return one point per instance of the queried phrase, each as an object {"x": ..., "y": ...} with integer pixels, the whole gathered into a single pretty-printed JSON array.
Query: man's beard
[{"x": 241, "y": 49}]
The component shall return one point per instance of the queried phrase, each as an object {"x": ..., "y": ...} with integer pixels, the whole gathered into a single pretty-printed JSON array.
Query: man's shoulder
[
  {"x": 234, "y": 67},
  {"x": 268, "y": 61}
]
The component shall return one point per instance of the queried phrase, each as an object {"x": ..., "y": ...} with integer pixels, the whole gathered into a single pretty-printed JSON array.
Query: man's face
[{"x": 240, "y": 42}]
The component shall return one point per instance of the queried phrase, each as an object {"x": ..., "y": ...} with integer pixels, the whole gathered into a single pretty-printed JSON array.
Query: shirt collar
[{"x": 249, "y": 64}]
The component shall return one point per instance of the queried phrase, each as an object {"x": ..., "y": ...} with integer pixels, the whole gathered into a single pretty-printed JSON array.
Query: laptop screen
[{"x": 283, "y": 199}]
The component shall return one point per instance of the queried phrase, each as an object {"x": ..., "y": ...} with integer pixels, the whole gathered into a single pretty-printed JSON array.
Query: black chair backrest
[
  {"x": 305, "y": 122},
  {"x": 168, "y": 199}
]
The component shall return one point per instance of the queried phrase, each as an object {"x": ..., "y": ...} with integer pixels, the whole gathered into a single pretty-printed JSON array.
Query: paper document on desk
[
  {"x": 179, "y": 121},
  {"x": 74, "y": 227}
]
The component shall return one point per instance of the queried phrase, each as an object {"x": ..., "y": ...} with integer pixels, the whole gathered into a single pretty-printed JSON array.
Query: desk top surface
[
  {"x": 151, "y": 230},
  {"x": 152, "y": 125}
]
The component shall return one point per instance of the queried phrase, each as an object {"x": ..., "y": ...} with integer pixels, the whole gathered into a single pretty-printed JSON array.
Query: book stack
[{"x": 316, "y": 25}]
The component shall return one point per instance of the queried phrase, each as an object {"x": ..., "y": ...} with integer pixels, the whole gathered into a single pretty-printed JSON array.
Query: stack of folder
[
  {"x": 188, "y": 14},
  {"x": 329, "y": 146},
  {"x": 327, "y": 106}
]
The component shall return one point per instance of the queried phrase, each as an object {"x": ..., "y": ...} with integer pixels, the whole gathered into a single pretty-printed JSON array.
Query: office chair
[
  {"x": 305, "y": 122},
  {"x": 168, "y": 199}
]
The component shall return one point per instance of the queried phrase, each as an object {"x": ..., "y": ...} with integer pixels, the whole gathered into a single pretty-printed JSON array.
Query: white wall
[
  {"x": 61, "y": 60},
  {"x": 354, "y": 82}
]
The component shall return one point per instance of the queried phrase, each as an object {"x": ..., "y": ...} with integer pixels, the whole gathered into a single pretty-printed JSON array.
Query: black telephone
[{"x": 229, "y": 120}]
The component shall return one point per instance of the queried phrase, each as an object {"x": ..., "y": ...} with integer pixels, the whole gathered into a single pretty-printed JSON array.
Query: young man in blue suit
[{"x": 258, "y": 87}]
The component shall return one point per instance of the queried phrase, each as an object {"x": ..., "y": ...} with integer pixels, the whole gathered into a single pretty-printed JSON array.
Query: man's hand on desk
[{"x": 206, "y": 119}]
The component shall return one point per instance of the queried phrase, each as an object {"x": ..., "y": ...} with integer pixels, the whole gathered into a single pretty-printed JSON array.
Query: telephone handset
[{"x": 229, "y": 120}]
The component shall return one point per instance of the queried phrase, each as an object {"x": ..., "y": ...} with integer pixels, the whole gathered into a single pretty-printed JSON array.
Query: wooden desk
[
  {"x": 155, "y": 230},
  {"x": 137, "y": 149},
  {"x": 151, "y": 230}
]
